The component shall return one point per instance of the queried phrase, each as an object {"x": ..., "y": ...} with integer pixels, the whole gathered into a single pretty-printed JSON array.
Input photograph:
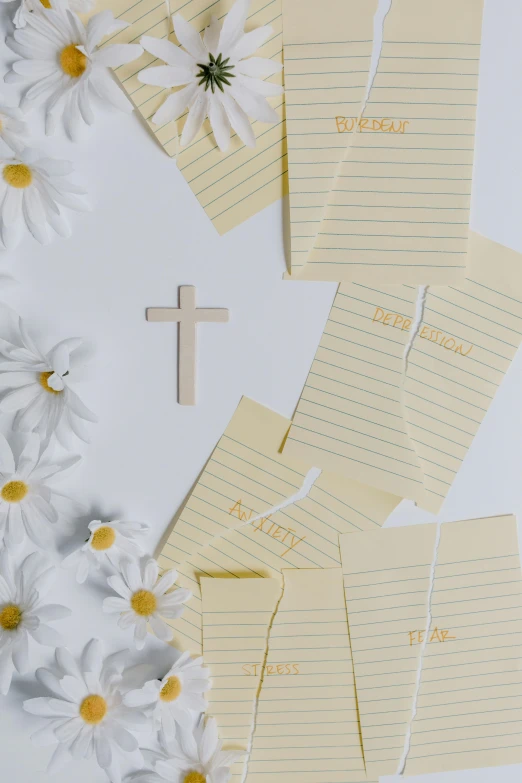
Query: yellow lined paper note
[
  {"x": 236, "y": 619},
  {"x": 399, "y": 208},
  {"x": 362, "y": 415},
  {"x": 350, "y": 419},
  {"x": 469, "y": 710},
  {"x": 230, "y": 186},
  {"x": 243, "y": 480},
  {"x": 325, "y": 83},
  {"x": 307, "y": 724}
]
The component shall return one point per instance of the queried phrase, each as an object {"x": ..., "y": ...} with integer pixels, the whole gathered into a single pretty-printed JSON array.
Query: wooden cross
[{"x": 187, "y": 315}]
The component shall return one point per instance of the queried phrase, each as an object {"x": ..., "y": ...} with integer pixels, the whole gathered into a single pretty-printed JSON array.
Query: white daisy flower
[
  {"x": 36, "y": 385},
  {"x": 223, "y": 82},
  {"x": 28, "y": 503},
  {"x": 28, "y": 7},
  {"x": 13, "y": 129},
  {"x": 85, "y": 713},
  {"x": 64, "y": 67},
  {"x": 109, "y": 542},
  {"x": 33, "y": 192},
  {"x": 196, "y": 757},
  {"x": 177, "y": 698},
  {"x": 144, "y": 599},
  {"x": 23, "y": 613}
]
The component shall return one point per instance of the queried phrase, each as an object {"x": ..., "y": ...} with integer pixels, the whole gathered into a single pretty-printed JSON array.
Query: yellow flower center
[
  {"x": 144, "y": 603},
  {"x": 103, "y": 538},
  {"x": 73, "y": 62},
  {"x": 43, "y": 378},
  {"x": 14, "y": 491},
  {"x": 194, "y": 777},
  {"x": 10, "y": 617},
  {"x": 93, "y": 709},
  {"x": 18, "y": 175},
  {"x": 46, "y": 3},
  {"x": 171, "y": 690}
]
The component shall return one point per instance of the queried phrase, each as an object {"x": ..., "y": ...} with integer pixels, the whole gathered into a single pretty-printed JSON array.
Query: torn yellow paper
[
  {"x": 236, "y": 619},
  {"x": 362, "y": 415},
  {"x": 399, "y": 208},
  {"x": 468, "y": 710},
  {"x": 307, "y": 724},
  {"x": 230, "y": 186},
  {"x": 326, "y": 75},
  {"x": 227, "y": 528}
]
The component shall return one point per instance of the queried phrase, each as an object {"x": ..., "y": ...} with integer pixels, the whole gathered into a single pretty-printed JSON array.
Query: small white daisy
[
  {"x": 195, "y": 757},
  {"x": 27, "y": 7},
  {"x": 23, "y": 613},
  {"x": 144, "y": 599},
  {"x": 27, "y": 500},
  {"x": 85, "y": 713},
  {"x": 222, "y": 81},
  {"x": 33, "y": 192},
  {"x": 64, "y": 68},
  {"x": 177, "y": 698},
  {"x": 13, "y": 129},
  {"x": 109, "y": 542},
  {"x": 37, "y": 385}
]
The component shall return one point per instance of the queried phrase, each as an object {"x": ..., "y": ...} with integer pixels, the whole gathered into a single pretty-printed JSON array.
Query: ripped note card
[
  {"x": 230, "y": 186},
  {"x": 304, "y": 721},
  {"x": 398, "y": 210},
  {"x": 236, "y": 621},
  {"x": 325, "y": 83},
  {"x": 469, "y": 698},
  {"x": 254, "y": 512},
  {"x": 406, "y": 428}
]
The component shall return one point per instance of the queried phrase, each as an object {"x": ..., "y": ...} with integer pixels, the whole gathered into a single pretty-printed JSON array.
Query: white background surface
[{"x": 146, "y": 236}]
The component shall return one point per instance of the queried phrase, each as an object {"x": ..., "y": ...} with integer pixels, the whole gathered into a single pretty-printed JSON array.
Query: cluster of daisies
[
  {"x": 93, "y": 706},
  {"x": 64, "y": 69}
]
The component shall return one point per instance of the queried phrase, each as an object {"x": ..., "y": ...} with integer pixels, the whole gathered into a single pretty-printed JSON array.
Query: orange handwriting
[
  {"x": 276, "y": 668},
  {"x": 426, "y": 333},
  {"x": 386, "y": 125},
  {"x": 417, "y": 637},
  {"x": 273, "y": 530}
]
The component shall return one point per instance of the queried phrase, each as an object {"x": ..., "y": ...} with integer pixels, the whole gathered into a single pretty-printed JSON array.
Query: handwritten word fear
[
  {"x": 263, "y": 524},
  {"x": 347, "y": 124},
  {"x": 253, "y": 669},
  {"x": 398, "y": 321},
  {"x": 417, "y": 637}
]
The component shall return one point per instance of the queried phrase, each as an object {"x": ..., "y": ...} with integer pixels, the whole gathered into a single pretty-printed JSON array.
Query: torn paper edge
[
  {"x": 378, "y": 33},
  {"x": 255, "y": 706},
  {"x": 418, "y": 678},
  {"x": 419, "y": 318}
]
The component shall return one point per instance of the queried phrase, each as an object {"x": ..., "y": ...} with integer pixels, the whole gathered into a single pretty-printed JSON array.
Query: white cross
[{"x": 187, "y": 315}]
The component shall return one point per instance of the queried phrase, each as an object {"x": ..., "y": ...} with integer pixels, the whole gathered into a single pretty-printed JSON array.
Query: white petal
[
  {"x": 51, "y": 612},
  {"x": 195, "y": 118},
  {"x": 46, "y": 636},
  {"x": 211, "y": 36},
  {"x": 160, "y": 629},
  {"x": 175, "y": 105},
  {"x": 258, "y": 67},
  {"x": 255, "y": 106},
  {"x": 115, "y": 605},
  {"x": 189, "y": 38},
  {"x": 168, "y": 52},
  {"x": 166, "y": 76},
  {"x": 117, "y": 54},
  {"x": 19, "y": 398},
  {"x": 209, "y": 741},
  {"x": 233, "y": 26},
  {"x": 250, "y": 42},
  {"x": 258, "y": 87},
  {"x": 92, "y": 657},
  {"x": 150, "y": 574},
  {"x": 7, "y": 463},
  {"x": 219, "y": 122}
]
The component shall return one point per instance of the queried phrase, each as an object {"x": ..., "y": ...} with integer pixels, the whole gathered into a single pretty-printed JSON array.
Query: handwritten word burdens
[
  {"x": 386, "y": 125},
  {"x": 275, "y": 668},
  {"x": 417, "y": 637},
  {"x": 398, "y": 321},
  {"x": 286, "y": 536}
]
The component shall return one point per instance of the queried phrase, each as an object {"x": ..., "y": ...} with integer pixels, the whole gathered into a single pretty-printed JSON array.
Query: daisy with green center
[
  {"x": 36, "y": 386},
  {"x": 29, "y": 505},
  {"x": 108, "y": 544},
  {"x": 219, "y": 77},
  {"x": 144, "y": 600},
  {"x": 23, "y": 613},
  {"x": 63, "y": 66},
  {"x": 85, "y": 714},
  {"x": 28, "y": 7},
  {"x": 195, "y": 757},
  {"x": 33, "y": 192},
  {"x": 177, "y": 698}
]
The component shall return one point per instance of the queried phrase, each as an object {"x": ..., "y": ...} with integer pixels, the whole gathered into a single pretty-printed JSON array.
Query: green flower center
[{"x": 215, "y": 73}]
